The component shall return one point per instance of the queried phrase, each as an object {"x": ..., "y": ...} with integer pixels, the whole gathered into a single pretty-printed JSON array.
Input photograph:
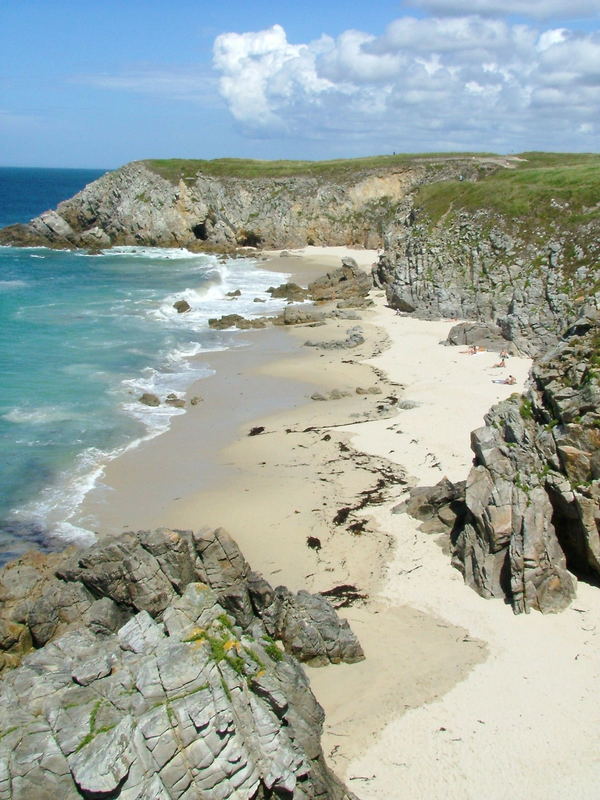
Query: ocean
[{"x": 82, "y": 336}]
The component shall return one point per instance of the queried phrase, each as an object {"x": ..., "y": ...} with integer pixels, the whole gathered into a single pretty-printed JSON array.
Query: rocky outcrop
[
  {"x": 480, "y": 334},
  {"x": 136, "y": 205},
  {"x": 155, "y": 674},
  {"x": 439, "y": 508},
  {"x": 529, "y": 280},
  {"x": 236, "y": 321},
  {"x": 533, "y": 496},
  {"x": 349, "y": 281}
]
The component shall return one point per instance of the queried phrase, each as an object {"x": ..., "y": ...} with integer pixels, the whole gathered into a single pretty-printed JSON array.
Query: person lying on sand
[
  {"x": 501, "y": 363},
  {"x": 473, "y": 349},
  {"x": 511, "y": 380}
]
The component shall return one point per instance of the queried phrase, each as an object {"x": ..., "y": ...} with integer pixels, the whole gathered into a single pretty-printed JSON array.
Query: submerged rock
[{"x": 149, "y": 399}]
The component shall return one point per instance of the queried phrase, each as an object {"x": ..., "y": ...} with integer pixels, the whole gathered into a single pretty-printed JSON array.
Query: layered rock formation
[
  {"x": 135, "y": 205},
  {"x": 533, "y": 496},
  {"x": 154, "y": 674},
  {"x": 530, "y": 280}
]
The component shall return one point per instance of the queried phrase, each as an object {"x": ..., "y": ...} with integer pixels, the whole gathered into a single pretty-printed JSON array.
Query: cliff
[
  {"x": 232, "y": 203},
  {"x": 519, "y": 249}
]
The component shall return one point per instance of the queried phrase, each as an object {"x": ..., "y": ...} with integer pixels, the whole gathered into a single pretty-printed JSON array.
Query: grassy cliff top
[
  {"x": 542, "y": 186},
  {"x": 173, "y": 169}
]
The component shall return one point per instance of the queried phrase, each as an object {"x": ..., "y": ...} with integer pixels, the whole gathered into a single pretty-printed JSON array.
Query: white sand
[{"x": 524, "y": 723}]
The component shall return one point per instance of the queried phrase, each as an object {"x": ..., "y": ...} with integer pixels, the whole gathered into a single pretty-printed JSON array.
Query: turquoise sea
[{"x": 81, "y": 337}]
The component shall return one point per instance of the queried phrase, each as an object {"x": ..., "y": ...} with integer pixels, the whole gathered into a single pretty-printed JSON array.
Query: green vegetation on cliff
[
  {"x": 174, "y": 169},
  {"x": 543, "y": 187}
]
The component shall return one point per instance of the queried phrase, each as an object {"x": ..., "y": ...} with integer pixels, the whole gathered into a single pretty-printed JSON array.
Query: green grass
[
  {"x": 173, "y": 169},
  {"x": 545, "y": 187}
]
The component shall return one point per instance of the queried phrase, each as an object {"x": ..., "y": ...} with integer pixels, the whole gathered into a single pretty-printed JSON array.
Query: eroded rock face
[
  {"x": 529, "y": 281},
  {"x": 135, "y": 205},
  {"x": 533, "y": 496},
  {"x": 155, "y": 675},
  {"x": 348, "y": 281}
]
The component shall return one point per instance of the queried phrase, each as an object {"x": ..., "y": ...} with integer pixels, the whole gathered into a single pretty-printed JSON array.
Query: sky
[{"x": 98, "y": 84}]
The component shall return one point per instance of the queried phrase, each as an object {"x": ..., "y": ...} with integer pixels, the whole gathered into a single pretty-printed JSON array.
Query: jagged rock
[
  {"x": 182, "y": 306},
  {"x": 396, "y": 299},
  {"x": 346, "y": 282},
  {"x": 235, "y": 321},
  {"x": 533, "y": 496},
  {"x": 94, "y": 238},
  {"x": 310, "y": 629},
  {"x": 481, "y": 334},
  {"x": 181, "y": 700},
  {"x": 288, "y": 291},
  {"x": 439, "y": 507}
]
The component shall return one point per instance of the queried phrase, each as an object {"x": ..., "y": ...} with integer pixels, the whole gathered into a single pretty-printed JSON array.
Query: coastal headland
[{"x": 310, "y": 445}]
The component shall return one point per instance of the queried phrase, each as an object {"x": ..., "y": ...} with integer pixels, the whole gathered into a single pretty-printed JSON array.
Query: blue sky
[{"x": 98, "y": 84}]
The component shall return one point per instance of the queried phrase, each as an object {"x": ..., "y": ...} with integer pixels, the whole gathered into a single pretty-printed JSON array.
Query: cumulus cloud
[
  {"x": 537, "y": 9},
  {"x": 424, "y": 83}
]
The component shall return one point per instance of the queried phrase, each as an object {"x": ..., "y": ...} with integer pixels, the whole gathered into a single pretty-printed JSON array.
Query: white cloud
[
  {"x": 424, "y": 83},
  {"x": 537, "y": 9},
  {"x": 261, "y": 72}
]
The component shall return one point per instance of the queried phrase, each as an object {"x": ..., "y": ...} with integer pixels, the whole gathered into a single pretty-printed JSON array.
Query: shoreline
[{"x": 426, "y": 713}]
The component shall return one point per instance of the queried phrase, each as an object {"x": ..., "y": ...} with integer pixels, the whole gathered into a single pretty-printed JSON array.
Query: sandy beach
[{"x": 457, "y": 698}]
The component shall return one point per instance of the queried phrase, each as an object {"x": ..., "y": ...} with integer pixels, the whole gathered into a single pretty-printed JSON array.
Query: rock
[
  {"x": 533, "y": 498},
  {"x": 149, "y": 399},
  {"x": 95, "y": 238},
  {"x": 182, "y": 306},
  {"x": 354, "y": 338},
  {"x": 173, "y": 400},
  {"x": 345, "y": 282},
  {"x": 196, "y": 399},
  {"x": 288, "y": 291},
  {"x": 213, "y": 709},
  {"x": 481, "y": 334},
  {"x": 439, "y": 507},
  {"x": 235, "y": 321},
  {"x": 396, "y": 299},
  {"x": 311, "y": 630},
  {"x": 301, "y": 315},
  {"x": 498, "y": 270},
  {"x": 236, "y": 293}
]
